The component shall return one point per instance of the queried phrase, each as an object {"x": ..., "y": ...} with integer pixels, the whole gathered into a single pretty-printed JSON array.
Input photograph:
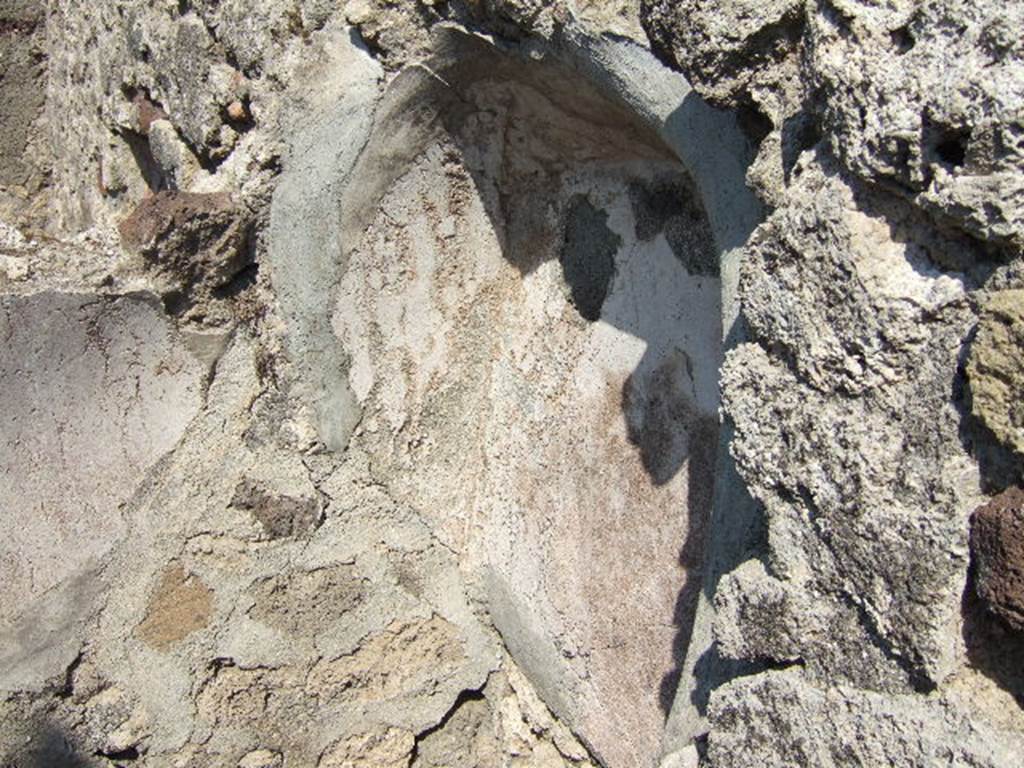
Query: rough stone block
[{"x": 997, "y": 549}]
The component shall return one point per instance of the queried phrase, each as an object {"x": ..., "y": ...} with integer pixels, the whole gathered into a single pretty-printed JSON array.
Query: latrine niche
[{"x": 530, "y": 314}]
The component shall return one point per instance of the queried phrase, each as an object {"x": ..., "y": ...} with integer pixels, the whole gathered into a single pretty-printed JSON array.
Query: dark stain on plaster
[
  {"x": 660, "y": 415},
  {"x": 279, "y": 516},
  {"x": 588, "y": 257},
  {"x": 669, "y": 206},
  {"x": 51, "y": 746}
]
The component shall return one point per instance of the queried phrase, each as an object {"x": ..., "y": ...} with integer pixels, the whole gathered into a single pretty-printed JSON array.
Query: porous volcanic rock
[
  {"x": 778, "y": 719},
  {"x": 888, "y": 151},
  {"x": 195, "y": 243},
  {"x": 511, "y": 383},
  {"x": 997, "y": 548}
]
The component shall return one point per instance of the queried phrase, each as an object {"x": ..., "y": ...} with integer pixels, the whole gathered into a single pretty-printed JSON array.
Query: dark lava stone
[{"x": 997, "y": 547}]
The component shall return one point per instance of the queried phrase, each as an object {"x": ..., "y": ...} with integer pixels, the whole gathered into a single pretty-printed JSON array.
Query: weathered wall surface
[
  {"x": 529, "y": 312},
  {"x": 857, "y": 427},
  {"x": 95, "y": 391},
  {"x": 452, "y": 383},
  {"x": 223, "y": 597},
  {"x": 554, "y": 425}
]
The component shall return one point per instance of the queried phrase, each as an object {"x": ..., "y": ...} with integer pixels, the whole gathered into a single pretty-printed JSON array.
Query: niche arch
[{"x": 512, "y": 286}]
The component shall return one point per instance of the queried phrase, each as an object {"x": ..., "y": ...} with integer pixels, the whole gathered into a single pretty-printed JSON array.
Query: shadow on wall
[
  {"x": 665, "y": 423},
  {"x": 527, "y": 131},
  {"x": 736, "y": 525},
  {"x": 664, "y": 288},
  {"x": 999, "y": 466},
  {"x": 994, "y": 649},
  {"x": 49, "y": 747},
  {"x": 701, "y": 468}
]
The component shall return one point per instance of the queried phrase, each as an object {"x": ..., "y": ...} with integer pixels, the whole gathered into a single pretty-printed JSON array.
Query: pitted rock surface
[
  {"x": 507, "y": 383},
  {"x": 997, "y": 546}
]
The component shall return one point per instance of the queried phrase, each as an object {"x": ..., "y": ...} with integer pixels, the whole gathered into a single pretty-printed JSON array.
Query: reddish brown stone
[
  {"x": 196, "y": 241},
  {"x": 997, "y": 547},
  {"x": 147, "y": 112},
  {"x": 157, "y": 215}
]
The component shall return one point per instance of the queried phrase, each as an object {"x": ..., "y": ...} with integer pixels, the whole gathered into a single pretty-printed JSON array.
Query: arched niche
[{"x": 509, "y": 279}]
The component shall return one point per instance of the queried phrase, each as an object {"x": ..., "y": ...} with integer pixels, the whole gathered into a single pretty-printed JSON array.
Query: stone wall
[{"x": 507, "y": 383}]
